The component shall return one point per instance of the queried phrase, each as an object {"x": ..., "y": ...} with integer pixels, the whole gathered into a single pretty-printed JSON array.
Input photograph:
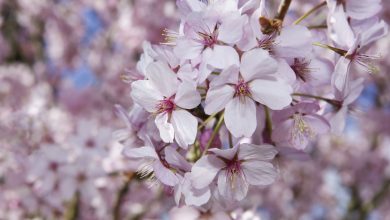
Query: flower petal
[
  {"x": 140, "y": 152},
  {"x": 293, "y": 41},
  {"x": 204, "y": 170},
  {"x": 175, "y": 159},
  {"x": 187, "y": 96},
  {"x": 240, "y": 116},
  {"x": 163, "y": 78},
  {"x": 145, "y": 94},
  {"x": 217, "y": 98},
  {"x": 186, "y": 126},
  {"x": 232, "y": 28},
  {"x": 257, "y": 63},
  {"x": 232, "y": 186},
  {"x": 256, "y": 152},
  {"x": 165, "y": 175},
  {"x": 340, "y": 74},
  {"x": 259, "y": 173},
  {"x": 274, "y": 94},
  {"x": 165, "y": 128},
  {"x": 221, "y": 57}
]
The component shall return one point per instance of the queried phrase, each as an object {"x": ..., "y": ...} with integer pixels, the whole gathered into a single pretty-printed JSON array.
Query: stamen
[
  {"x": 367, "y": 61},
  {"x": 242, "y": 89},
  {"x": 170, "y": 37},
  {"x": 233, "y": 170},
  {"x": 301, "y": 130},
  {"x": 167, "y": 105},
  {"x": 301, "y": 69},
  {"x": 267, "y": 42}
]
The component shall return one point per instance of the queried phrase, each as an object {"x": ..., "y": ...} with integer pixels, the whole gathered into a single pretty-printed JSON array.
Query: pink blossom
[{"x": 237, "y": 168}]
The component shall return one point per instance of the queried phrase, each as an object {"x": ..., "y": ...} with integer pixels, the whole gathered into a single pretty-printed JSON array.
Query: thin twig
[
  {"x": 315, "y": 8},
  {"x": 214, "y": 134},
  {"x": 283, "y": 8}
]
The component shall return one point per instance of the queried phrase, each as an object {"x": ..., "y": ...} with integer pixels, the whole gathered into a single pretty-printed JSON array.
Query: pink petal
[
  {"x": 225, "y": 153},
  {"x": 240, "y": 117},
  {"x": 293, "y": 41},
  {"x": 187, "y": 96},
  {"x": 187, "y": 49},
  {"x": 363, "y": 9},
  {"x": 340, "y": 74},
  {"x": 257, "y": 63},
  {"x": 163, "y": 78},
  {"x": 204, "y": 170},
  {"x": 186, "y": 127},
  {"x": 232, "y": 28},
  {"x": 217, "y": 98},
  {"x": 221, "y": 57},
  {"x": 165, "y": 128},
  {"x": 165, "y": 175},
  {"x": 276, "y": 95},
  {"x": 340, "y": 30},
  {"x": 258, "y": 152},
  {"x": 145, "y": 94},
  {"x": 232, "y": 187},
  {"x": 259, "y": 173},
  {"x": 141, "y": 152},
  {"x": 175, "y": 159}
]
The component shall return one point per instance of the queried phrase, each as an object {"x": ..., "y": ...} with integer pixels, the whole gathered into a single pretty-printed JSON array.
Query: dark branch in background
[
  {"x": 121, "y": 195},
  {"x": 283, "y": 8}
]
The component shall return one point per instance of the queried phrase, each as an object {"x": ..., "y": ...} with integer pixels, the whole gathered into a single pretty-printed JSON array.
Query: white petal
[
  {"x": 276, "y": 95},
  {"x": 187, "y": 96},
  {"x": 141, "y": 152},
  {"x": 187, "y": 49},
  {"x": 232, "y": 186},
  {"x": 340, "y": 74},
  {"x": 145, "y": 94},
  {"x": 221, "y": 57},
  {"x": 259, "y": 173},
  {"x": 217, "y": 98},
  {"x": 204, "y": 170},
  {"x": 240, "y": 117},
  {"x": 227, "y": 76},
  {"x": 258, "y": 152},
  {"x": 257, "y": 63},
  {"x": 225, "y": 153},
  {"x": 186, "y": 126},
  {"x": 163, "y": 78},
  {"x": 165, "y": 128},
  {"x": 293, "y": 41},
  {"x": 175, "y": 159},
  {"x": 232, "y": 28},
  {"x": 165, "y": 175}
]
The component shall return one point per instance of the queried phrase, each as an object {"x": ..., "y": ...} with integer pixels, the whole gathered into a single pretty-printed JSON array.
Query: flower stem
[
  {"x": 74, "y": 206},
  {"x": 121, "y": 194},
  {"x": 267, "y": 133},
  {"x": 341, "y": 52},
  {"x": 230, "y": 140},
  {"x": 207, "y": 121},
  {"x": 330, "y": 101},
  {"x": 311, "y": 11},
  {"x": 283, "y": 8},
  {"x": 214, "y": 134}
]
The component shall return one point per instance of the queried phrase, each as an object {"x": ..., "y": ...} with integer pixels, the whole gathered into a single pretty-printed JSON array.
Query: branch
[{"x": 283, "y": 8}]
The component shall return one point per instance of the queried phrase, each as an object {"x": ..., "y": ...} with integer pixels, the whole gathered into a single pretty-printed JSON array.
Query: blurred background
[{"x": 63, "y": 68}]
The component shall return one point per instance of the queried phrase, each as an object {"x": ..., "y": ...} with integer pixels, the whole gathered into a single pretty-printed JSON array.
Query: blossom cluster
[{"x": 237, "y": 86}]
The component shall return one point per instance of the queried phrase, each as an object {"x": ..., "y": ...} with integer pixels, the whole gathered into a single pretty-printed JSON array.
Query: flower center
[
  {"x": 242, "y": 89},
  {"x": 301, "y": 130},
  {"x": 301, "y": 69},
  {"x": 209, "y": 38},
  {"x": 167, "y": 105},
  {"x": 233, "y": 170}
]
